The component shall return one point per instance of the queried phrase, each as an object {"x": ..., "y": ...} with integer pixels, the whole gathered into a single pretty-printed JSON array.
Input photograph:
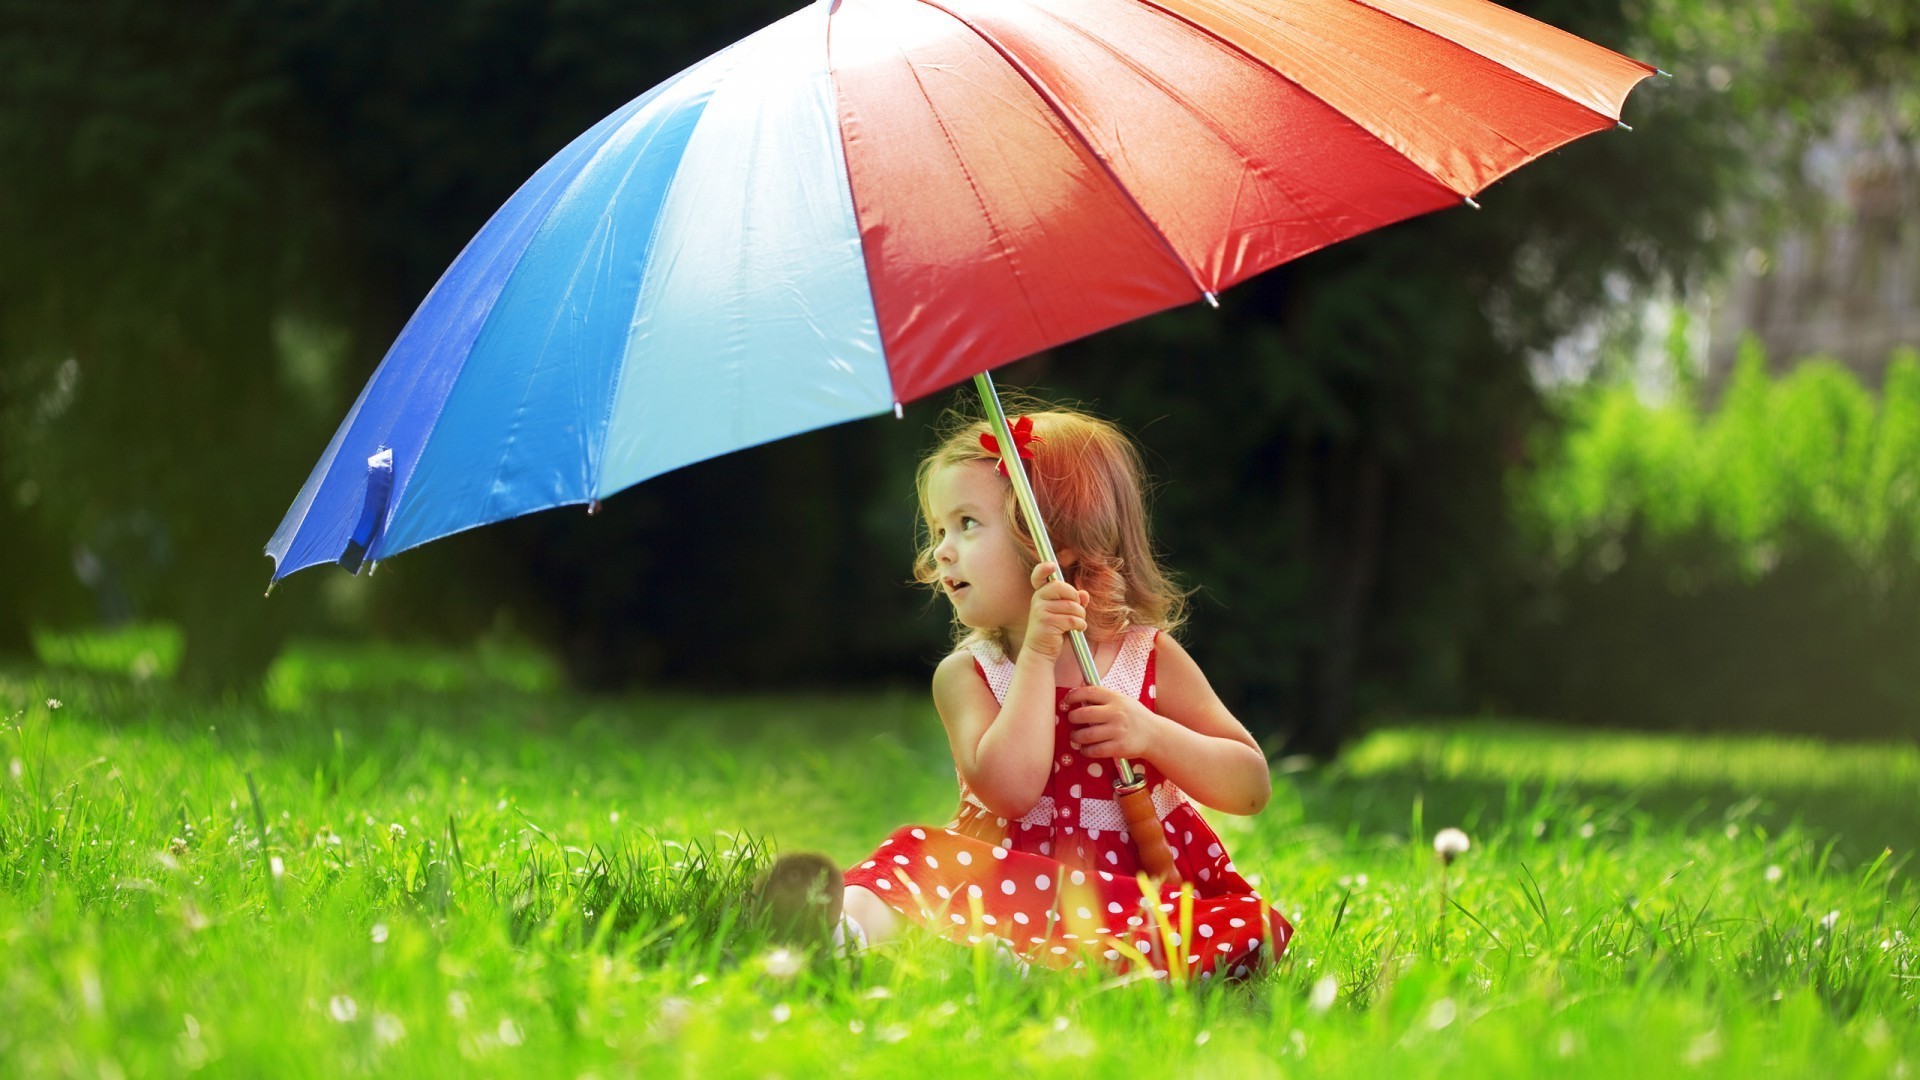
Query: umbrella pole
[{"x": 1130, "y": 787}]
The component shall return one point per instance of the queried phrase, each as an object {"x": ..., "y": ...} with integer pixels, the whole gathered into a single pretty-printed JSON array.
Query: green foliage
[
  {"x": 1809, "y": 458},
  {"x": 476, "y": 879},
  {"x": 140, "y": 650},
  {"x": 1753, "y": 565}
]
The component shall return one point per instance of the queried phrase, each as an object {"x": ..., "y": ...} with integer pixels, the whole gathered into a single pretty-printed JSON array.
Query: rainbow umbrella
[{"x": 870, "y": 200}]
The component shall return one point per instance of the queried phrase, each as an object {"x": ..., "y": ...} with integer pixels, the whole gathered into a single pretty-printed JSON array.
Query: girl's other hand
[
  {"x": 1057, "y": 608},
  {"x": 1108, "y": 724}
]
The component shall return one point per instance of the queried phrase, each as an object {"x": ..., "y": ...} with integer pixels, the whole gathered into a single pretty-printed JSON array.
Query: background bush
[{"x": 1752, "y": 566}]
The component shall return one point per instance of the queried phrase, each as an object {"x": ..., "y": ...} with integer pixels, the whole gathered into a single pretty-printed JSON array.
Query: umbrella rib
[
  {"x": 1536, "y": 80},
  {"x": 1263, "y": 65},
  {"x": 1059, "y": 110},
  {"x": 1157, "y": 5}
]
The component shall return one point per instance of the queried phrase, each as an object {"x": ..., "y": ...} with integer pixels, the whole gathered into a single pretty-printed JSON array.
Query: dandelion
[
  {"x": 53, "y": 703},
  {"x": 1322, "y": 996},
  {"x": 782, "y": 963},
  {"x": 387, "y": 1029},
  {"x": 670, "y": 1016},
  {"x": 1447, "y": 844},
  {"x": 178, "y": 846},
  {"x": 397, "y": 831}
]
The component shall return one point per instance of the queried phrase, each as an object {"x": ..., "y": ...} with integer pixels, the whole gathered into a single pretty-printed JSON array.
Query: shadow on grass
[{"x": 1489, "y": 777}]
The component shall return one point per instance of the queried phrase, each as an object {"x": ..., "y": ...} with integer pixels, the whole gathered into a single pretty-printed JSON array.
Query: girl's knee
[{"x": 872, "y": 913}]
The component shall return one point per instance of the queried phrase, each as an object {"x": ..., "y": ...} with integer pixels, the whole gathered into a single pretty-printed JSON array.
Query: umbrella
[{"x": 870, "y": 200}]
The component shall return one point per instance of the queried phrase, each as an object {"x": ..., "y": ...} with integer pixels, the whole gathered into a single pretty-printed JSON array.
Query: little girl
[{"x": 1038, "y": 855}]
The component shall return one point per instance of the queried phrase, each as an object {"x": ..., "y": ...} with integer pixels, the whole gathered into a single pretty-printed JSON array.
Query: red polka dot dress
[{"x": 1058, "y": 885}]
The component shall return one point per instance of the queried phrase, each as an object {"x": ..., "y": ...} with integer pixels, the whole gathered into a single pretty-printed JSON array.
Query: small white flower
[
  {"x": 1442, "y": 1013},
  {"x": 388, "y": 1029},
  {"x": 1827, "y": 923},
  {"x": 397, "y": 831},
  {"x": 1774, "y": 873},
  {"x": 509, "y": 1032},
  {"x": 782, "y": 963},
  {"x": 1450, "y": 842},
  {"x": 1586, "y": 831},
  {"x": 379, "y": 933},
  {"x": 343, "y": 1008},
  {"x": 782, "y": 1013},
  {"x": 1324, "y": 991},
  {"x": 53, "y": 703}
]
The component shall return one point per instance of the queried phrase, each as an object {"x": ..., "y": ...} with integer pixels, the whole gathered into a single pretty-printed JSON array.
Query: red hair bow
[{"x": 1023, "y": 440}]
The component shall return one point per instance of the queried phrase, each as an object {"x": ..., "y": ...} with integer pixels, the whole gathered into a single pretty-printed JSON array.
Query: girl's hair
[{"x": 1091, "y": 489}]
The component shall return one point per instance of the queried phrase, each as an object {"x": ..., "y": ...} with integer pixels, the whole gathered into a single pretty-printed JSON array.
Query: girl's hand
[
  {"x": 1108, "y": 724},
  {"x": 1057, "y": 608}
]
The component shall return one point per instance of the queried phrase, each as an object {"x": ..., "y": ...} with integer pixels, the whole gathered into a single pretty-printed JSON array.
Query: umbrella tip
[
  {"x": 593, "y": 507},
  {"x": 1469, "y": 201},
  {"x": 1623, "y": 125},
  {"x": 898, "y": 412},
  {"x": 1663, "y": 73},
  {"x": 1212, "y": 299},
  {"x": 271, "y": 582}
]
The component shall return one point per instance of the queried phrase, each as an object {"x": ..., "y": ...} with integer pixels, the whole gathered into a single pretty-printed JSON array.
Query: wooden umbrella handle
[{"x": 1143, "y": 824}]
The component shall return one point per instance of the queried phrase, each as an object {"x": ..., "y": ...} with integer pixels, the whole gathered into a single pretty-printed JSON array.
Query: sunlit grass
[{"x": 472, "y": 874}]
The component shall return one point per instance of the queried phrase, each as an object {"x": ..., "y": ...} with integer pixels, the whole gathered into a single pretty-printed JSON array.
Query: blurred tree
[{"x": 155, "y": 225}]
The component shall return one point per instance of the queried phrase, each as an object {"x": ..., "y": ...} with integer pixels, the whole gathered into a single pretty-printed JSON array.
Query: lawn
[{"x": 414, "y": 863}]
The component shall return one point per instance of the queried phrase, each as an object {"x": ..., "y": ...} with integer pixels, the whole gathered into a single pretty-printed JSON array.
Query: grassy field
[{"x": 414, "y": 864}]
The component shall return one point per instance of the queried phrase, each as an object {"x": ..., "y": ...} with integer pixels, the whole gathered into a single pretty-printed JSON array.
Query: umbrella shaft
[{"x": 1023, "y": 493}]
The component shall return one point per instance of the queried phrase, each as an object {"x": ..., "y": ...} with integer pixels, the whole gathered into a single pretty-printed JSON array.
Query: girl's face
[{"x": 982, "y": 570}]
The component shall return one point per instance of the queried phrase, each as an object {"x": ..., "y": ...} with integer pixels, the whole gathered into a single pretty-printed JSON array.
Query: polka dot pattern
[{"x": 1070, "y": 914}]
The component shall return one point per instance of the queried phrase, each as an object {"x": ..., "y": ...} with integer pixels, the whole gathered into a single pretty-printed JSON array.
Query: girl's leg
[{"x": 876, "y": 920}]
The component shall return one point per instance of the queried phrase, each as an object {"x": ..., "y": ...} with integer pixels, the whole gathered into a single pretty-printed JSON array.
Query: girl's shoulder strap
[
  {"x": 994, "y": 667},
  {"x": 1128, "y": 673}
]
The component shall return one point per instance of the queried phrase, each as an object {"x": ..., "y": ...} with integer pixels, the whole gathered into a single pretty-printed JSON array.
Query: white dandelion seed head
[
  {"x": 54, "y": 703},
  {"x": 1449, "y": 842},
  {"x": 387, "y": 1029},
  {"x": 397, "y": 831},
  {"x": 782, "y": 963}
]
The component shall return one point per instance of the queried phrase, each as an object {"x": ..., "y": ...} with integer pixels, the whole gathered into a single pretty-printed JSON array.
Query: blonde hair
[{"x": 1091, "y": 488}]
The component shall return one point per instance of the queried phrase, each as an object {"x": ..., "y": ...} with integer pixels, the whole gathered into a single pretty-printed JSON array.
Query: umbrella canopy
[{"x": 870, "y": 200}]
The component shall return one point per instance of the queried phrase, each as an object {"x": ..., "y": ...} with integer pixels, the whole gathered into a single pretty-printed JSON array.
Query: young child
[{"x": 1038, "y": 855}]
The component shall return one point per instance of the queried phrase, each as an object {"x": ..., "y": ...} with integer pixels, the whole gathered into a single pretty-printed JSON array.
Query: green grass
[{"x": 447, "y": 866}]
